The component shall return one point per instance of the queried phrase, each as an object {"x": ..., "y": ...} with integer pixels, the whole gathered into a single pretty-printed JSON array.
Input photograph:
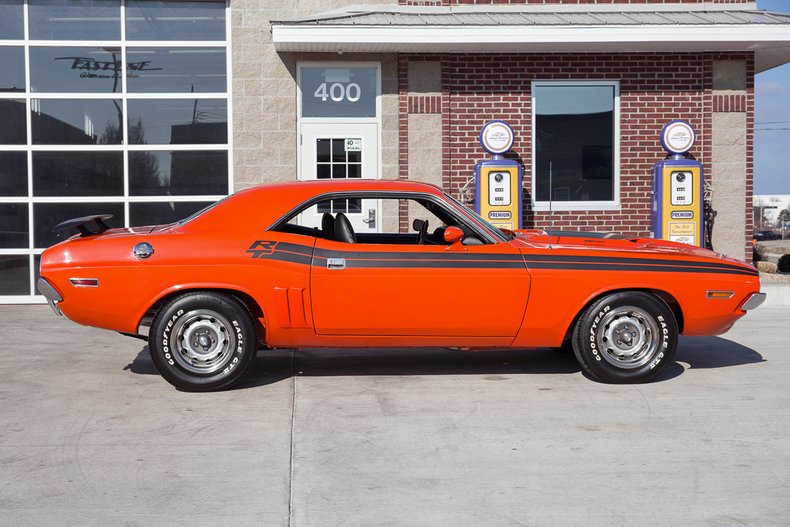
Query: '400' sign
[{"x": 339, "y": 92}]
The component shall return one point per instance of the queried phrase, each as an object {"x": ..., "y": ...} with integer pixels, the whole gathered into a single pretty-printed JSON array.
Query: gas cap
[{"x": 143, "y": 250}]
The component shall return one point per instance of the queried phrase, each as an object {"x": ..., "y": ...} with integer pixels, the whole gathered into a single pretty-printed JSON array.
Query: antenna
[{"x": 551, "y": 212}]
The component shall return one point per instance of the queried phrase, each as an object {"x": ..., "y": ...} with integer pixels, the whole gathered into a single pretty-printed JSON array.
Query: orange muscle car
[{"x": 330, "y": 264}]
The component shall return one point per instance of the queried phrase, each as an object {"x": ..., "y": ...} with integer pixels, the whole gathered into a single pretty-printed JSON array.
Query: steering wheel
[{"x": 421, "y": 226}]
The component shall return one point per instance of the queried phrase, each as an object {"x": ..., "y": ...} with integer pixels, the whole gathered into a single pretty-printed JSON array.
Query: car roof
[{"x": 269, "y": 202}]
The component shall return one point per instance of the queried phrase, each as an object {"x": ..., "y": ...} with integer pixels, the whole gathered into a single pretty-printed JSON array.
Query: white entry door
[{"x": 341, "y": 151}]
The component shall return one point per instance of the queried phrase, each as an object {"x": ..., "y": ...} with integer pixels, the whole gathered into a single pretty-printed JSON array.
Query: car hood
[{"x": 583, "y": 241}]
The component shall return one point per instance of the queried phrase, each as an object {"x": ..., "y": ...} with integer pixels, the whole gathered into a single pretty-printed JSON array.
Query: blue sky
[{"x": 772, "y": 122}]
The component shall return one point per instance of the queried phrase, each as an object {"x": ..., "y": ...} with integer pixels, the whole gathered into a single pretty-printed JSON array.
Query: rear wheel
[
  {"x": 626, "y": 337},
  {"x": 203, "y": 342}
]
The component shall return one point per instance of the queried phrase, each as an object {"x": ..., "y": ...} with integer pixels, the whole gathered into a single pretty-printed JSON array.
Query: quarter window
[{"x": 575, "y": 141}]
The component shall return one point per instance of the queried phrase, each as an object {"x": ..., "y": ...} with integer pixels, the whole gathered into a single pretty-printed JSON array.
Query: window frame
[{"x": 550, "y": 205}]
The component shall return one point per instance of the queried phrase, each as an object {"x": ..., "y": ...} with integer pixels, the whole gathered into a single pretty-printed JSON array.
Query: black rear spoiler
[{"x": 81, "y": 224}]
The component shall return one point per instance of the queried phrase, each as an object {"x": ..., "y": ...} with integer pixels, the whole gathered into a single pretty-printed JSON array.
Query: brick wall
[{"x": 654, "y": 88}]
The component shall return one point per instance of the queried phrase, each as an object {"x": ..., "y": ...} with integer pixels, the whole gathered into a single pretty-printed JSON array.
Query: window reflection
[
  {"x": 15, "y": 275},
  {"x": 76, "y": 121},
  {"x": 77, "y": 174},
  {"x": 162, "y": 213},
  {"x": 11, "y": 23},
  {"x": 178, "y": 173},
  {"x": 13, "y": 226},
  {"x": 13, "y": 174},
  {"x": 12, "y": 66},
  {"x": 574, "y": 138},
  {"x": 75, "y": 69},
  {"x": 47, "y": 215},
  {"x": 75, "y": 19},
  {"x": 148, "y": 20},
  {"x": 170, "y": 121},
  {"x": 12, "y": 128},
  {"x": 171, "y": 70}
]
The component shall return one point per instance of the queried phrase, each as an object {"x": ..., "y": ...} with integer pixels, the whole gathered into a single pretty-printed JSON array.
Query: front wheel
[
  {"x": 626, "y": 337},
  {"x": 203, "y": 342}
]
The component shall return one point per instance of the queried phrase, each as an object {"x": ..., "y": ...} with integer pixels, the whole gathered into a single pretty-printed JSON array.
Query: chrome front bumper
[
  {"x": 753, "y": 301},
  {"x": 52, "y": 296}
]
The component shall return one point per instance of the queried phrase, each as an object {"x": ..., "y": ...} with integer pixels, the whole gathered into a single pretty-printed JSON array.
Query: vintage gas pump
[
  {"x": 678, "y": 208},
  {"x": 498, "y": 180}
]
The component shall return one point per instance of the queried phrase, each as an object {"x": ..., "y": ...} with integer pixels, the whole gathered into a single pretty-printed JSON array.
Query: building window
[
  {"x": 115, "y": 107},
  {"x": 575, "y": 161}
]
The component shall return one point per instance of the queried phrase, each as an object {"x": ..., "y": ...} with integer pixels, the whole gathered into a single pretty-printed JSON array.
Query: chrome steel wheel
[
  {"x": 628, "y": 337},
  {"x": 203, "y": 341}
]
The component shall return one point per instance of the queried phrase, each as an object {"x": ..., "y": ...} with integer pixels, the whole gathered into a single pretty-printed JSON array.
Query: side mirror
[{"x": 453, "y": 235}]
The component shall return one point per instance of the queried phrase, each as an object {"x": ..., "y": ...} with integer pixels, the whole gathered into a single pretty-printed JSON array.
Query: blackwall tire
[
  {"x": 626, "y": 337},
  {"x": 203, "y": 342}
]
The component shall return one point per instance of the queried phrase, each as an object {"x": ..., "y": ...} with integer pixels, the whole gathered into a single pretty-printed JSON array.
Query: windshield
[{"x": 495, "y": 232}]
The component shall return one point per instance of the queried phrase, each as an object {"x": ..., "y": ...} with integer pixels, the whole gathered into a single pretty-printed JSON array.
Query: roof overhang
[{"x": 770, "y": 42}]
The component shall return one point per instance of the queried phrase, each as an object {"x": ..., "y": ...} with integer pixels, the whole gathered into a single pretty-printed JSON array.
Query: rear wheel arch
[{"x": 250, "y": 303}]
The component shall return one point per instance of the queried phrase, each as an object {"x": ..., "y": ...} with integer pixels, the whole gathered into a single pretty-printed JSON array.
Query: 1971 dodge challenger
[{"x": 304, "y": 265}]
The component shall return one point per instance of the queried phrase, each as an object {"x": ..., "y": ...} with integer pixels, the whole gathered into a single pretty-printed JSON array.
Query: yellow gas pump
[
  {"x": 498, "y": 180},
  {"x": 678, "y": 207}
]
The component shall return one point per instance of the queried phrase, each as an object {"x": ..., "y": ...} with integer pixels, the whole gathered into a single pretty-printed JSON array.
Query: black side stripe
[
  {"x": 302, "y": 254},
  {"x": 533, "y": 258}
]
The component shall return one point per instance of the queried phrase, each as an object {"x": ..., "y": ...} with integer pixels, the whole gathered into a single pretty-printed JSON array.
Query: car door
[{"x": 419, "y": 290}]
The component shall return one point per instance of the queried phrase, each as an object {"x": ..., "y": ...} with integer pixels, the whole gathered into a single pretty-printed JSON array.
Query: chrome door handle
[
  {"x": 335, "y": 263},
  {"x": 371, "y": 219}
]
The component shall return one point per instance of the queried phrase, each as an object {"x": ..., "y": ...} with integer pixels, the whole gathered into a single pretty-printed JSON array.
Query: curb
[{"x": 777, "y": 294}]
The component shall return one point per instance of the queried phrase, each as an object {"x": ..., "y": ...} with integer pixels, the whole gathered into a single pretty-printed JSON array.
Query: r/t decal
[{"x": 260, "y": 248}]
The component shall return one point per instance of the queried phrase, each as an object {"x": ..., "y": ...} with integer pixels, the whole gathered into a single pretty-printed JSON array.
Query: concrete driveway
[{"x": 90, "y": 435}]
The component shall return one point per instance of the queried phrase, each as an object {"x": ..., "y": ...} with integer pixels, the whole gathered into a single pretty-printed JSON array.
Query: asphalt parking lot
[{"x": 91, "y": 435}]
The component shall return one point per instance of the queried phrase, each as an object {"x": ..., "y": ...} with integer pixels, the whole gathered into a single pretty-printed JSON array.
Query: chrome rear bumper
[
  {"x": 52, "y": 296},
  {"x": 753, "y": 301}
]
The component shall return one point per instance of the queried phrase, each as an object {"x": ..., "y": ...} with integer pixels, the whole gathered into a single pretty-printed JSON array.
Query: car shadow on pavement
[
  {"x": 272, "y": 366},
  {"x": 715, "y": 352}
]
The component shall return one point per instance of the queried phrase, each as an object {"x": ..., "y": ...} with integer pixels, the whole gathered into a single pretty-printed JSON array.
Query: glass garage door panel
[
  {"x": 11, "y": 20},
  {"x": 171, "y": 20},
  {"x": 176, "y": 70},
  {"x": 78, "y": 173},
  {"x": 178, "y": 173},
  {"x": 13, "y": 130},
  {"x": 68, "y": 19},
  {"x": 13, "y": 226},
  {"x": 77, "y": 121},
  {"x": 75, "y": 69},
  {"x": 178, "y": 121},
  {"x": 13, "y": 174},
  {"x": 14, "y": 275},
  {"x": 12, "y": 66}
]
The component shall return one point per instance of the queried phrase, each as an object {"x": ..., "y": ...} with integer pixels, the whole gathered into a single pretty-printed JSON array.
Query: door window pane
[
  {"x": 13, "y": 226},
  {"x": 47, "y": 215},
  {"x": 162, "y": 213},
  {"x": 12, "y": 66},
  {"x": 11, "y": 22},
  {"x": 574, "y": 138},
  {"x": 15, "y": 275},
  {"x": 189, "y": 121},
  {"x": 13, "y": 174},
  {"x": 76, "y": 121},
  {"x": 174, "y": 70},
  {"x": 75, "y": 19},
  {"x": 78, "y": 174},
  {"x": 13, "y": 127},
  {"x": 178, "y": 173},
  {"x": 75, "y": 69},
  {"x": 338, "y": 158},
  {"x": 147, "y": 20},
  {"x": 339, "y": 92}
]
